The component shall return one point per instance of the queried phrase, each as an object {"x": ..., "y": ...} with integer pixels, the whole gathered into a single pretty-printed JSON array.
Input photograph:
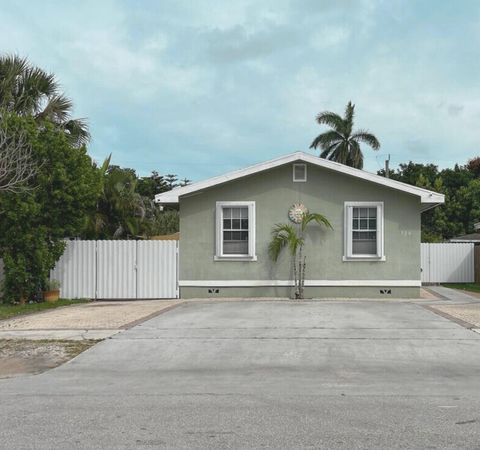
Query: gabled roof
[{"x": 430, "y": 198}]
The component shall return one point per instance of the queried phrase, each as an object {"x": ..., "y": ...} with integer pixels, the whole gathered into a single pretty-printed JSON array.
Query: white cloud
[
  {"x": 242, "y": 80},
  {"x": 329, "y": 36}
]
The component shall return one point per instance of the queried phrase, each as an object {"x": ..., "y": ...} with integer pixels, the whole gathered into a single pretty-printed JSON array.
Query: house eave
[{"x": 427, "y": 197}]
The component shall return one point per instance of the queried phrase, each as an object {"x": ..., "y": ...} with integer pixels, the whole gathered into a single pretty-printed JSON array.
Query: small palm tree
[
  {"x": 340, "y": 144},
  {"x": 293, "y": 237},
  {"x": 27, "y": 90}
]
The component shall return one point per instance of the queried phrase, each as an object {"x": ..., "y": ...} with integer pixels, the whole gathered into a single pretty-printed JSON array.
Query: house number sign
[{"x": 296, "y": 212}]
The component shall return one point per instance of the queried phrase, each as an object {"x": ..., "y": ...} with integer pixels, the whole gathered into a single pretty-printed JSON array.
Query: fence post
[{"x": 476, "y": 263}]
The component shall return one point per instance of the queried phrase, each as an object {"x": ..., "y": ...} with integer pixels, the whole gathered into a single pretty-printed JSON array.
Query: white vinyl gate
[
  {"x": 116, "y": 274},
  {"x": 118, "y": 269},
  {"x": 448, "y": 263}
]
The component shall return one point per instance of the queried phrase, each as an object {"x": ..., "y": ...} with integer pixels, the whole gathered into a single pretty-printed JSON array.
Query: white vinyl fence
[
  {"x": 118, "y": 269},
  {"x": 452, "y": 263}
]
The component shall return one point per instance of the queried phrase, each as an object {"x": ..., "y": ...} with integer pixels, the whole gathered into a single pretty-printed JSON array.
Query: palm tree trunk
[
  {"x": 303, "y": 277},
  {"x": 295, "y": 294},
  {"x": 300, "y": 270}
]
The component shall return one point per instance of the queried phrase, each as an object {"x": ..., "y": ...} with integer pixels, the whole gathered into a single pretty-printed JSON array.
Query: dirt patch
[{"x": 20, "y": 357}]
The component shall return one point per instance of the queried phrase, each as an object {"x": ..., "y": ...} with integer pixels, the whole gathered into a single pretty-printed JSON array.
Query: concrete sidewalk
[
  {"x": 87, "y": 321},
  {"x": 459, "y": 306},
  {"x": 452, "y": 295}
]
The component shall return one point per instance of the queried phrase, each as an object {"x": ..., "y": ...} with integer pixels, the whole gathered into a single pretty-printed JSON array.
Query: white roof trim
[
  {"x": 425, "y": 195},
  {"x": 464, "y": 241}
]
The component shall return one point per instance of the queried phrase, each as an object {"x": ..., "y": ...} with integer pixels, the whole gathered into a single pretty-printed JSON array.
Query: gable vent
[{"x": 299, "y": 173}]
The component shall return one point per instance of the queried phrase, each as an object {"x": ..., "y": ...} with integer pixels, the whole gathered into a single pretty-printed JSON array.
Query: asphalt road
[{"x": 271, "y": 374}]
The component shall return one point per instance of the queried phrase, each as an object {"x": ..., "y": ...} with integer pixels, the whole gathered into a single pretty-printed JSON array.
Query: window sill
[
  {"x": 235, "y": 258},
  {"x": 364, "y": 258}
]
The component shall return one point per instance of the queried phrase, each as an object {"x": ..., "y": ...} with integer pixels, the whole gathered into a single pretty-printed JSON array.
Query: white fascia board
[
  {"x": 464, "y": 241},
  {"x": 425, "y": 195}
]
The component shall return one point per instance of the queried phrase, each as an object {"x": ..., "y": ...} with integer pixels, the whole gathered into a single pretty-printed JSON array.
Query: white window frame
[
  {"x": 348, "y": 225},
  {"x": 219, "y": 255},
  {"x": 302, "y": 180}
]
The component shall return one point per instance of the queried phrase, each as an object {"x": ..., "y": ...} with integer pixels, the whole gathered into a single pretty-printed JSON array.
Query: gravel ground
[
  {"x": 89, "y": 316},
  {"x": 469, "y": 313},
  {"x": 20, "y": 357}
]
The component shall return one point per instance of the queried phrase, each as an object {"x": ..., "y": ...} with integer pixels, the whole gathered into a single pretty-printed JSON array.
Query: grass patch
[
  {"x": 472, "y": 287},
  {"x": 8, "y": 311}
]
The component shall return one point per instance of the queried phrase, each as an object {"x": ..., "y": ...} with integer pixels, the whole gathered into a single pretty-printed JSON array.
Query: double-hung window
[
  {"x": 235, "y": 231},
  {"x": 364, "y": 231}
]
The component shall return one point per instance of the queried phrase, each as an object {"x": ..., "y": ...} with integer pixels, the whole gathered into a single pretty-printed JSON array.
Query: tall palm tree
[
  {"x": 28, "y": 90},
  {"x": 339, "y": 143},
  {"x": 293, "y": 237}
]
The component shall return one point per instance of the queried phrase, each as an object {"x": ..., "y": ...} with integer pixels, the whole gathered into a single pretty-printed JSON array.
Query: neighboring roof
[
  {"x": 430, "y": 198},
  {"x": 473, "y": 237},
  {"x": 166, "y": 237}
]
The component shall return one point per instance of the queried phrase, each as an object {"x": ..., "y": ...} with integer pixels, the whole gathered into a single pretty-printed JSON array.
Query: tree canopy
[
  {"x": 35, "y": 221},
  {"x": 461, "y": 187},
  {"x": 340, "y": 143},
  {"x": 26, "y": 90}
]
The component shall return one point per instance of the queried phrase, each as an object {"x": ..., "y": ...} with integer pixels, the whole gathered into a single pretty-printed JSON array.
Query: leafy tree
[
  {"x": 34, "y": 222},
  {"x": 473, "y": 165},
  {"x": 158, "y": 222},
  {"x": 410, "y": 173},
  {"x": 340, "y": 143},
  {"x": 171, "y": 181},
  {"x": 293, "y": 237},
  {"x": 125, "y": 208},
  {"x": 120, "y": 209},
  {"x": 152, "y": 185},
  {"x": 461, "y": 189},
  {"x": 95, "y": 221},
  {"x": 27, "y": 90}
]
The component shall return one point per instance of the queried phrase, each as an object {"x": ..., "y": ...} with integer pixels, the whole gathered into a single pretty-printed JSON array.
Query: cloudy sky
[{"x": 201, "y": 87}]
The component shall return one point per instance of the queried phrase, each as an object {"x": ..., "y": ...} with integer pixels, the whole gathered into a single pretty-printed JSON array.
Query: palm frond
[
  {"x": 77, "y": 131},
  {"x": 331, "y": 119},
  {"x": 327, "y": 152},
  {"x": 57, "y": 109},
  {"x": 283, "y": 235},
  {"x": 367, "y": 138},
  {"x": 106, "y": 164},
  {"x": 32, "y": 90},
  {"x": 132, "y": 225},
  {"x": 326, "y": 139},
  {"x": 29, "y": 90},
  {"x": 348, "y": 119},
  {"x": 315, "y": 217},
  {"x": 11, "y": 68}
]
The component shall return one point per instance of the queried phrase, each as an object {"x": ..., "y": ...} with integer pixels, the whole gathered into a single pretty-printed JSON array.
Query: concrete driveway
[{"x": 270, "y": 374}]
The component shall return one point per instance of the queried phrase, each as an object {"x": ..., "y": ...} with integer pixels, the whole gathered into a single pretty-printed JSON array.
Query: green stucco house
[{"x": 226, "y": 224}]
